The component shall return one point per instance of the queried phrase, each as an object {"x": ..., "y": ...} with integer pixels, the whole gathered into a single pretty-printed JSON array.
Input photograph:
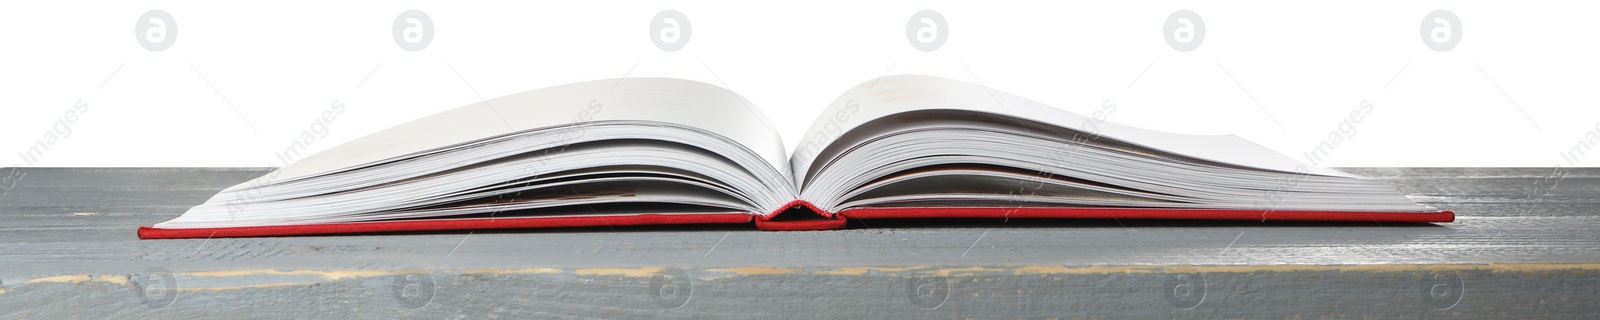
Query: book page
[
  {"x": 890, "y": 95},
  {"x": 516, "y": 174},
  {"x": 685, "y": 102}
]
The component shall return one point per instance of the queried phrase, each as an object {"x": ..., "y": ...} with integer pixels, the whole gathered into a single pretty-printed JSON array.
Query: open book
[{"x": 641, "y": 151}]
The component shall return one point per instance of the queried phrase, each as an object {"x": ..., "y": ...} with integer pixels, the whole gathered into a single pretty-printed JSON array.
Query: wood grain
[{"x": 1525, "y": 244}]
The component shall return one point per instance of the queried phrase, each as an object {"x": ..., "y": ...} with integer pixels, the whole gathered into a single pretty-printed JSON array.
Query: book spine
[{"x": 800, "y": 215}]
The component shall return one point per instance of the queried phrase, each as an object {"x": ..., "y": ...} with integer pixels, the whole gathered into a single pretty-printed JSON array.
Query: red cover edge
[
  {"x": 832, "y": 221},
  {"x": 147, "y": 232},
  {"x": 1145, "y": 213}
]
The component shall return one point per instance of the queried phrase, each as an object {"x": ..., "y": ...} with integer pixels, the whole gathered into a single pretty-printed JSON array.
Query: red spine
[{"x": 827, "y": 221}]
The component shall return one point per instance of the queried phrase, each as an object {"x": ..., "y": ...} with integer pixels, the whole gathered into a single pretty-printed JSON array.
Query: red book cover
[{"x": 773, "y": 222}]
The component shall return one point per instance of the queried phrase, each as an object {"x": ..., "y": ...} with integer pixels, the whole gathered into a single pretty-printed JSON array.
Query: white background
[{"x": 244, "y": 81}]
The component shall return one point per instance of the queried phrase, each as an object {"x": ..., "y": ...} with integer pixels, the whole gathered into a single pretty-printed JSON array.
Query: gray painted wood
[{"x": 67, "y": 241}]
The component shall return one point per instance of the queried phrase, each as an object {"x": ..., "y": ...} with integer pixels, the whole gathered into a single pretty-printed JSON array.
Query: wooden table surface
[{"x": 1526, "y": 243}]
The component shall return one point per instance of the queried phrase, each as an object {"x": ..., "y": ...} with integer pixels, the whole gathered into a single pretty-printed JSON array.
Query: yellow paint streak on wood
[
  {"x": 511, "y": 271},
  {"x": 329, "y": 275},
  {"x": 631, "y": 272},
  {"x": 253, "y": 286},
  {"x": 759, "y": 270},
  {"x": 858, "y": 271},
  {"x": 1079, "y": 270},
  {"x": 117, "y": 279},
  {"x": 71, "y": 278},
  {"x": 723, "y": 273},
  {"x": 947, "y": 272}
]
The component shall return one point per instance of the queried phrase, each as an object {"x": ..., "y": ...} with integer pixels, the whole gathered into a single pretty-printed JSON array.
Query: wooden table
[{"x": 1526, "y": 243}]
